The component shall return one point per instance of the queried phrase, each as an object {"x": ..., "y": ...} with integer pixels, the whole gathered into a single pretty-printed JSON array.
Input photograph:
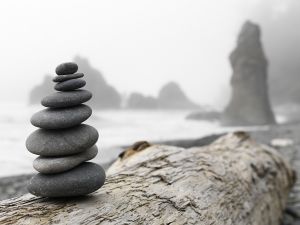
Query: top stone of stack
[{"x": 66, "y": 68}]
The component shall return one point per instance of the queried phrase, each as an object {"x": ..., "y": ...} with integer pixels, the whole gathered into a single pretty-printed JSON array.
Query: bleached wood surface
[{"x": 232, "y": 181}]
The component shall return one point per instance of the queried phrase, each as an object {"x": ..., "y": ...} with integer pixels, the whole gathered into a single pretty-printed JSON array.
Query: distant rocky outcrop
[
  {"x": 170, "y": 96},
  {"x": 139, "y": 101},
  {"x": 249, "y": 104},
  {"x": 104, "y": 95}
]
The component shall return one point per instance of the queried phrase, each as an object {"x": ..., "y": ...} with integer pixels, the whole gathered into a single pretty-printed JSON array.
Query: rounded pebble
[
  {"x": 62, "y": 142},
  {"x": 51, "y": 165},
  {"x": 66, "y": 99},
  {"x": 82, "y": 180},
  {"x": 70, "y": 85},
  {"x": 66, "y": 68},
  {"x": 61, "y": 78},
  {"x": 61, "y": 118}
]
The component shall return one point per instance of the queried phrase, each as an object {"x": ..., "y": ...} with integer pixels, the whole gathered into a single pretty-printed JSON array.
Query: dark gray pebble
[
  {"x": 61, "y": 78},
  {"x": 66, "y": 99},
  {"x": 51, "y": 165},
  {"x": 70, "y": 85},
  {"x": 82, "y": 180},
  {"x": 66, "y": 68},
  {"x": 61, "y": 118},
  {"x": 62, "y": 142}
]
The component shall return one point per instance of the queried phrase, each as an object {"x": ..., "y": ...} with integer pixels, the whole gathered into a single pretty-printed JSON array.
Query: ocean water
[{"x": 115, "y": 127}]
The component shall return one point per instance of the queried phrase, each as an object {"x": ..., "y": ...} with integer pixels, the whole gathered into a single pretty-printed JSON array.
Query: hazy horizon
[{"x": 138, "y": 46}]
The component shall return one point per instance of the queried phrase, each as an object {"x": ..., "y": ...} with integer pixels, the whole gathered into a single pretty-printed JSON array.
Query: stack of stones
[{"x": 62, "y": 142}]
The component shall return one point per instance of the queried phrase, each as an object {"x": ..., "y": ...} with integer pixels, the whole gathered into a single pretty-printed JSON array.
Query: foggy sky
[{"x": 137, "y": 45}]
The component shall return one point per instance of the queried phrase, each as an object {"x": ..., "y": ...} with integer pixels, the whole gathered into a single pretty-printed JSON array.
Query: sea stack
[
  {"x": 249, "y": 104},
  {"x": 62, "y": 142}
]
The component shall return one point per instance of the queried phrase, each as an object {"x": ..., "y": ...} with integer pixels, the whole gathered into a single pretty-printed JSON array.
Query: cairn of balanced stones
[{"x": 62, "y": 142}]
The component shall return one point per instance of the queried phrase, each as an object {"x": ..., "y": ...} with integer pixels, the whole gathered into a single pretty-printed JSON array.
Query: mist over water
[
  {"x": 279, "y": 21},
  {"x": 137, "y": 46},
  {"x": 116, "y": 128}
]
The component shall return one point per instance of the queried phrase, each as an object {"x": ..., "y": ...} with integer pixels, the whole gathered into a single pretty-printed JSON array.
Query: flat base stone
[{"x": 82, "y": 180}]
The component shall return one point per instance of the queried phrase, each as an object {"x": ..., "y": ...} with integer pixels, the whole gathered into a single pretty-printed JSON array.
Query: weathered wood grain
[{"x": 232, "y": 181}]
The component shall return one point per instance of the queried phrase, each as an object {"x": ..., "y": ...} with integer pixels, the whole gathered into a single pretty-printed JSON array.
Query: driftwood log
[{"x": 232, "y": 181}]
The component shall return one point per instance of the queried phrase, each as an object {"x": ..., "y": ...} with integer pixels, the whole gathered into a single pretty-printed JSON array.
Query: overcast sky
[{"x": 138, "y": 45}]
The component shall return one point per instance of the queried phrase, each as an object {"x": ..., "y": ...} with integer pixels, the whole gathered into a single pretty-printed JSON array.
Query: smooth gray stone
[
  {"x": 66, "y": 99},
  {"x": 66, "y": 68},
  {"x": 82, "y": 180},
  {"x": 62, "y": 142},
  {"x": 51, "y": 165},
  {"x": 70, "y": 85},
  {"x": 61, "y": 78},
  {"x": 60, "y": 118}
]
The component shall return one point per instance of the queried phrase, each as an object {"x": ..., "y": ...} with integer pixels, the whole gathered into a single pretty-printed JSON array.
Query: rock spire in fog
[{"x": 249, "y": 103}]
